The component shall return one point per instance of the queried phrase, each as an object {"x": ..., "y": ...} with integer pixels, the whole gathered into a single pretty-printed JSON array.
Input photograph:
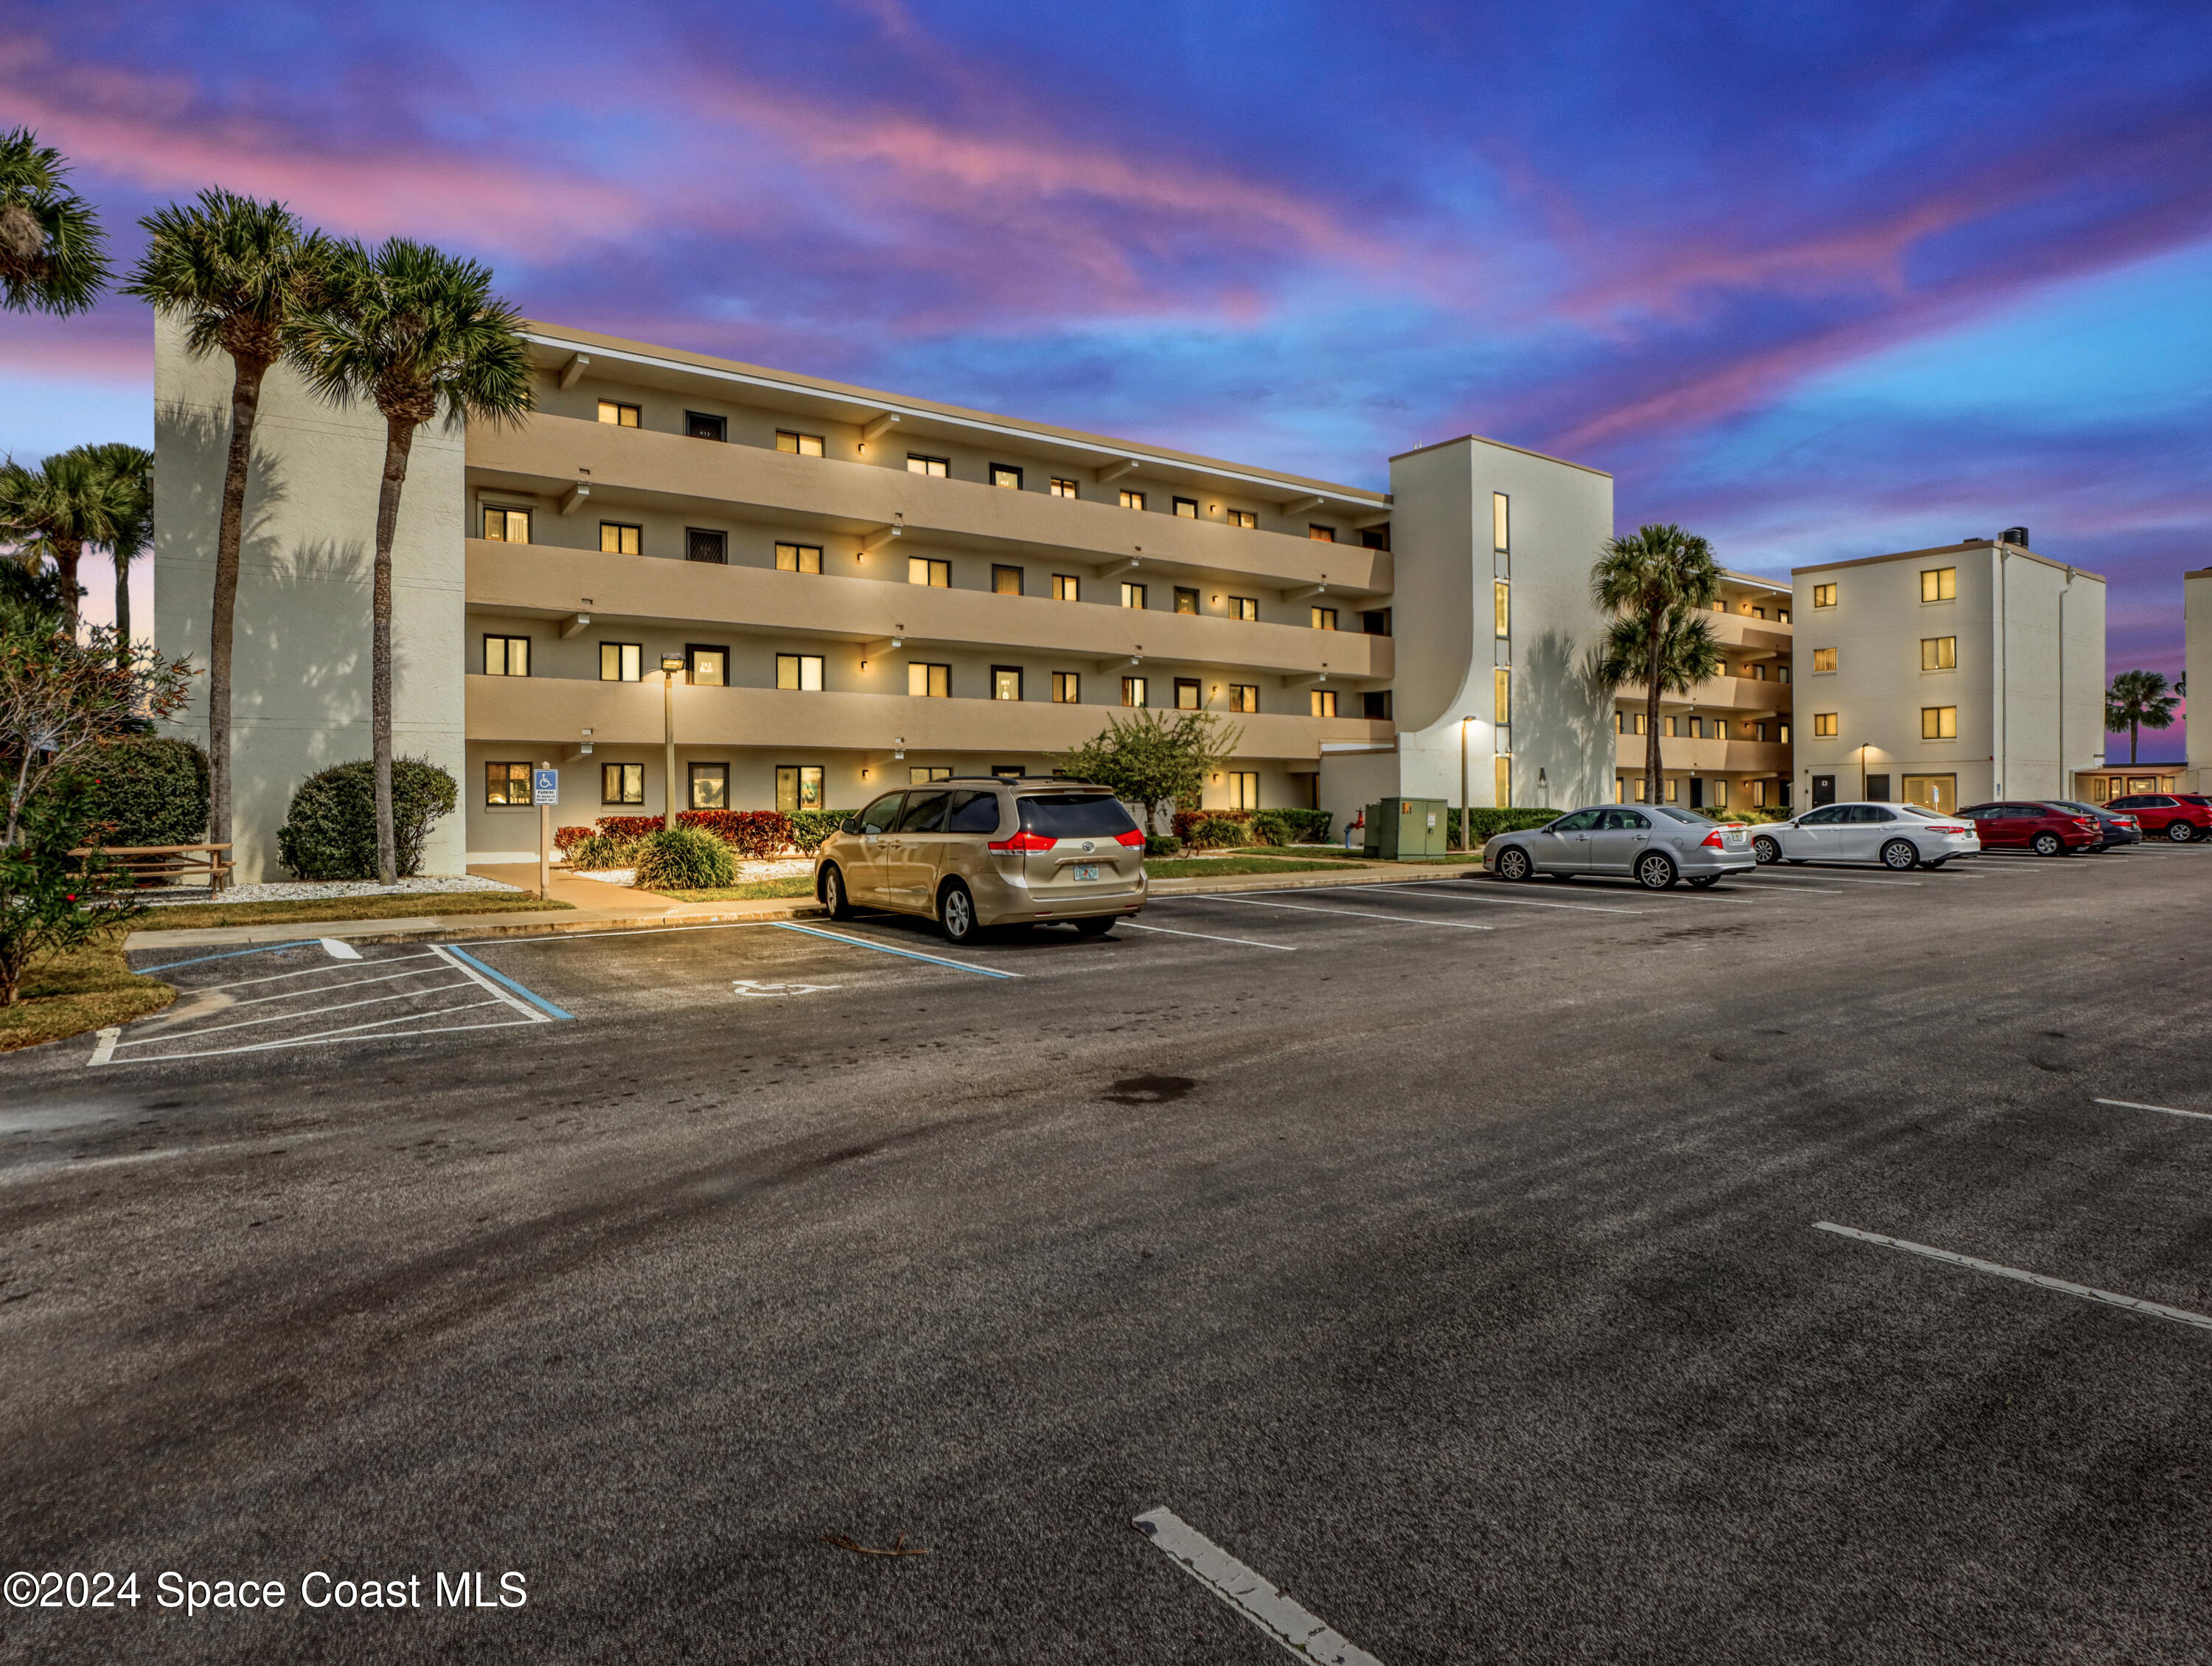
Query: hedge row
[
  {"x": 1264, "y": 826},
  {"x": 148, "y": 790},
  {"x": 1487, "y": 824},
  {"x": 754, "y": 835}
]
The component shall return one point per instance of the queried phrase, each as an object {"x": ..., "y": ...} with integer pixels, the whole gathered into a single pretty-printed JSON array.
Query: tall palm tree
[
  {"x": 238, "y": 274},
  {"x": 1660, "y": 584},
  {"x": 57, "y": 509},
  {"x": 53, "y": 255},
  {"x": 132, "y": 468},
  {"x": 2138, "y": 700},
  {"x": 418, "y": 333}
]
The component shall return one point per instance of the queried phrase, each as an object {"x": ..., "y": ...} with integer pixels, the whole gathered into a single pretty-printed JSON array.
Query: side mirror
[{"x": 852, "y": 824}]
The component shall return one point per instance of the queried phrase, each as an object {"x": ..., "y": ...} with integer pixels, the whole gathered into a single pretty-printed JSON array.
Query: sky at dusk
[{"x": 1818, "y": 281}]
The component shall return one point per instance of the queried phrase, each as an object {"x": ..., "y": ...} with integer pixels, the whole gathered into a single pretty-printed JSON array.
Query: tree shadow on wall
[{"x": 1559, "y": 725}]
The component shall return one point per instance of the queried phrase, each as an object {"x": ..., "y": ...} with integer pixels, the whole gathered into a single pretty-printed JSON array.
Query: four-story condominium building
[
  {"x": 1724, "y": 744},
  {"x": 751, "y": 589}
]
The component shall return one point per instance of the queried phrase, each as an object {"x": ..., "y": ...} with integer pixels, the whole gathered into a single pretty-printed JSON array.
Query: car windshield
[{"x": 1075, "y": 816}]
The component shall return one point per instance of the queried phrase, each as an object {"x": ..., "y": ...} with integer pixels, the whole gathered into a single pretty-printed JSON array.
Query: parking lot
[{"x": 1817, "y": 1267}]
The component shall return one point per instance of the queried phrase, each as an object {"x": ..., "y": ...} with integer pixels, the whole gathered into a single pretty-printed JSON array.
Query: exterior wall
[
  {"x": 300, "y": 677},
  {"x": 1750, "y": 765},
  {"x": 2197, "y": 614}
]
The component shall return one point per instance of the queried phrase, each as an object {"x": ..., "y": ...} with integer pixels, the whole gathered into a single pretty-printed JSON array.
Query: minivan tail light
[
  {"x": 1024, "y": 841},
  {"x": 1134, "y": 838}
]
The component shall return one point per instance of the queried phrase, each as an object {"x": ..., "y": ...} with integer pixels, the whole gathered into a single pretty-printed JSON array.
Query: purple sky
[{"x": 1818, "y": 281}]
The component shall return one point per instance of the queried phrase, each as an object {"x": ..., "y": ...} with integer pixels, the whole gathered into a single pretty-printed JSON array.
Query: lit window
[
  {"x": 1501, "y": 780},
  {"x": 1939, "y": 722},
  {"x": 1132, "y": 499},
  {"x": 1321, "y": 534},
  {"x": 798, "y": 786},
  {"x": 1720, "y": 607},
  {"x": 1005, "y": 682},
  {"x": 701, "y": 425},
  {"x": 1065, "y": 487},
  {"x": 1244, "y": 696},
  {"x": 936, "y": 467},
  {"x": 617, "y": 539},
  {"x": 1672, "y": 793},
  {"x": 1006, "y": 474},
  {"x": 1939, "y": 653},
  {"x": 1824, "y": 595},
  {"x": 1187, "y": 508},
  {"x": 801, "y": 444},
  {"x": 617, "y": 415},
  {"x": 1006, "y": 581},
  {"x": 621, "y": 783},
  {"x": 1185, "y": 600},
  {"x": 928, "y": 681},
  {"x": 507, "y": 783},
  {"x": 622, "y": 662},
  {"x": 1719, "y": 795},
  {"x": 798, "y": 558},
  {"x": 507, "y": 525},
  {"x": 1824, "y": 658},
  {"x": 799, "y": 670},
  {"x": 1186, "y": 694},
  {"x": 1322, "y": 702},
  {"x": 1502, "y": 606},
  {"x": 1824, "y": 726},
  {"x": 710, "y": 787},
  {"x": 937, "y": 574},
  {"x": 1133, "y": 690},
  {"x": 1782, "y": 734},
  {"x": 1673, "y": 727},
  {"x": 506, "y": 656},
  {"x": 1324, "y": 618},
  {"x": 1939, "y": 584},
  {"x": 1244, "y": 789},
  {"x": 1759, "y": 795},
  {"x": 1501, "y": 691},
  {"x": 1133, "y": 595},
  {"x": 1067, "y": 688},
  {"x": 920, "y": 773},
  {"x": 1244, "y": 607},
  {"x": 1247, "y": 519},
  {"x": 1501, "y": 528},
  {"x": 1782, "y": 616},
  {"x": 1065, "y": 587}
]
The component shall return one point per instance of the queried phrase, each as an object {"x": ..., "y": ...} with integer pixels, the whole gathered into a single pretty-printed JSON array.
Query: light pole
[
  {"x": 670, "y": 665},
  {"x": 1463, "y": 844}
]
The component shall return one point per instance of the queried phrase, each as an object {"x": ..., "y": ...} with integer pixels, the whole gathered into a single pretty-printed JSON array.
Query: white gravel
[
  {"x": 783, "y": 868},
  {"x": 316, "y": 891}
]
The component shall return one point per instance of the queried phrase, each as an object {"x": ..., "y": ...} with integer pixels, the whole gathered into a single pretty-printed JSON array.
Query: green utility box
[{"x": 1399, "y": 830}]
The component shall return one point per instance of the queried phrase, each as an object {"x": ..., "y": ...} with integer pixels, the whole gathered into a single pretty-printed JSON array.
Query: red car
[
  {"x": 2179, "y": 816},
  {"x": 2021, "y": 825}
]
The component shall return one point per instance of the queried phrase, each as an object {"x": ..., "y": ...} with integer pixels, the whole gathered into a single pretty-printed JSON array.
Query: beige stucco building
[{"x": 1725, "y": 744}]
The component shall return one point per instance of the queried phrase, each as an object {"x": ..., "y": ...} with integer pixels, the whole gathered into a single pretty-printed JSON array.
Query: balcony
[
  {"x": 1755, "y": 634},
  {"x": 554, "y": 711},
  {"x": 1702, "y": 757},
  {"x": 545, "y": 455},
  {"x": 548, "y": 582}
]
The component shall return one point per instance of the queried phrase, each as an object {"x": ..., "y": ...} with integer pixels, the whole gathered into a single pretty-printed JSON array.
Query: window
[
  {"x": 1065, "y": 587},
  {"x": 700, "y": 425},
  {"x": 1321, "y": 534},
  {"x": 1187, "y": 508},
  {"x": 1824, "y": 726},
  {"x": 1759, "y": 673},
  {"x": 1782, "y": 734},
  {"x": 798, "y": 786},
  {"x": 1759, "y": 795},
  {"x": 621, "y": 783},
  {"x": 707, "y": 667},
  {"x": 506, "y": 656},
  {"x": 1824, "y": 595},
  {"x": 1324, "y": 618},
  {"x": 974, "y": 812},
  {"x": 1006, "y": 474},
  {"x": 1185, "y": 600},
  {"x": 703, "y": 543},
  {"x": 1375, "y": 622},
  {"x": 507, "y": 783},
  {"x": 1501, "y": 694},
  {"x": 936, "y": 467},
  {"x": 1133, "y": 595},
  {"x": 1244, "y": 789},
  {"x": 1501, "y": 528},
  {"x": 1939, "y": 722},
  {"x": 1321, "y": 702},
  {"x": 1132, "y": 499},
  {"x": 920, "y": 570},
  {"x": 1375, "y": 703},
  {"x": 1642, "y": 724},
  {"x": 798, "y": 558},
  {"x": 507, "y": 525},
  {"x": 1133, "y": 690},
  {"x": 928, "y": 681},
  {"x": 799, "y": 670},
  {"x": 1067, "y": 688},
  {"x": 802, "y": 445},
  {"x": 1719, "y": 795},
  {"x": 1824, "y": 658},
  {"x": 1720, "y": 607},
  {"x": 710, "y": 787},
  {"x": 616, "y": 415},
  {"x": 622, "y": 662},
  {"x": 1501, "y": 779},
  {"x": 1782, "y": 617},
  {"x": 1673, "y": 727},
  {"x": 1782, "y": 674},
  {"x": 1672, "y": 792},
  {"x": 1065, "y": 487},
  {"x": 1757, "y": 613},
  {"x": 919, "y": 773},
  {"x": 1502, "y": 606},
  {"x": 1936, "y": 793},
  {"x": 1244, "y": 696},
  {"x": 617, "y": 540},
  {"x": 1759, "y": 731},
  {"x": 1244, "y": 607},
  {"x": 1006, "y": 581},
  {"x": 1939, "y": 584},
  {"x": 1186, "y": 694},
  {"x": 1005, "y": 682},
  {"x": 1939, "y": 653},
  {"x": 1247, "y": 519}
]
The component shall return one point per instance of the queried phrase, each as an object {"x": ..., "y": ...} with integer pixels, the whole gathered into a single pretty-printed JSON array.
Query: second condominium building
[{"x": 1725, "y": 743}]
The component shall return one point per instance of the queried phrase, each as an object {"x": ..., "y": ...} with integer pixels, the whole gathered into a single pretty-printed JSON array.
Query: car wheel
[
  {"x": 1096, "y": 926},
  {"x": 1704, "y": 880},
  {"x": 1655, "y": 871},
  {"x": 1513, "y": 863},
  {"x": 1769, "y": 851},
  {"x": 2180, "y": 832},
  {"x": 833, "y": 894},
  {"x": 2047, "y": 844},
  {"x": 956, "y": 912},
  {"x": 1900, "y": 854}
]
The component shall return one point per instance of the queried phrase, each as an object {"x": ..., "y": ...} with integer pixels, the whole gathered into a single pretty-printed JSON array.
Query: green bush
[
  {"x": 596, "y": 852},
  {"x": 810, "y": 829},
  {"x": 684, "y": 859},
  {"x": 1487, "y": 824},
  {"x": 1290, "y": 826},
  {"x": 1214, "y": 832},
  {"x": 1162, "y": 844},
  {"x": 148, "y": 790},
  {"x": 330, "y": 832}
]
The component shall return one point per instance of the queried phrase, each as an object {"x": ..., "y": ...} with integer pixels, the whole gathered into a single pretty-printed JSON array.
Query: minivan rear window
[{"x": 1075, "y": 816}]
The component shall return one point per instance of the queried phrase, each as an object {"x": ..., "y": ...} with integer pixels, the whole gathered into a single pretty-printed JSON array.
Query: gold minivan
[{"x": 988, "y": 851}]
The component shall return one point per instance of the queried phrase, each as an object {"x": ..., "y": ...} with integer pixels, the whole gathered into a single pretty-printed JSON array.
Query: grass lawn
[
  {"x": 1309, "y": 853},
  {"x": 1174, "y": 867},
  {"x": 189, "y": 916},
  {"x": 87, "y": 989},
  {"x": 796, "y": 884}
]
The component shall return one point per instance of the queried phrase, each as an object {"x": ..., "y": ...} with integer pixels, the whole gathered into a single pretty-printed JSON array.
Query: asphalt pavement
[{"x": 1456, "y": 1257}]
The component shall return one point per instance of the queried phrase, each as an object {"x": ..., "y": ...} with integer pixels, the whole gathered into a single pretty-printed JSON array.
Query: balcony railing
[{"x": 1704, "y": 757}]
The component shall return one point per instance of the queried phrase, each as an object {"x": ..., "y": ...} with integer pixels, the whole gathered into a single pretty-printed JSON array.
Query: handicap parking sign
[{"x": 545, "y": 787}]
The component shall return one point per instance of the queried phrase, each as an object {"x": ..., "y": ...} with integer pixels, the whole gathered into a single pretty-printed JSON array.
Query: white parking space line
[
  {"x": 1436, "y": 889},
  {"x": 351, "y": 1030},
  {"x": 1255, "y": 1598},
  {"x": 1355, "y": 913},
  {"x": 1131, "y": 924},
  {"x": 1824, "y": 876},
  {"x": 317, "y": 989},
  {"x": 887, "y": 948},
  {"x": 1764, "y": 883},
  {"x": 2130, "y": 1104},
  {"x": 304, "y": 971},
  {"x": 338, "y": 951},
  {"x": 502, "y": 987},
  {"x": 2111, "y": 1298},
  {"x": 287, "y": 1017}
]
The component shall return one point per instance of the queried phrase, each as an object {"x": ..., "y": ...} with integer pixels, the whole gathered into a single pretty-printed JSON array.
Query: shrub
[
  {"x": 1211, "y": 832},
  {"x": 330, "y": 832},
  {"x": 1162, "y": 844},
  {"x": 629, "y": 826},
  {"x": 1290, "y": 826},
  {"x": 50, "y": 901},
  {"x": 1186, "y": 822},
  {"x": 684, "y": 859},
  {"x": 755, "y": 834},
  {"x": 1485, "y": 825},
  {"x": 596, "y": 852},
  {"x": 810, "y": 829},
  {"x": 566, "y": 839},
  {"x": 147, "y": 790}
]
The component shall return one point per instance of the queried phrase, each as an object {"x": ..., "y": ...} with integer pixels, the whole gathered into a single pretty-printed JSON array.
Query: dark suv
[
  {"x": 2179, "y": 816},
  {"x": 2024, "y": 824}
]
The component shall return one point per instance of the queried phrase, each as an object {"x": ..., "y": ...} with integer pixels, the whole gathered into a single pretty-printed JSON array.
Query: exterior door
[
  {"x": 1621, "y": 836},
  {"x": 1824, "y": 790},
  {"x": 864, "y": 879},
  {"x": 910, "y": 862}
]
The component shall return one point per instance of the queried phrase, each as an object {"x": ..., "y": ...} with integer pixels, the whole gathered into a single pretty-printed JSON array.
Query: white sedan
[{"x": 1897, "y": 836}]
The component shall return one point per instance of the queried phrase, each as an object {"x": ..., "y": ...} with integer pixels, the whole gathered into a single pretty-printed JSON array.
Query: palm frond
[
  {"x": 53, "y": 253},
  {"x": 237, "y": 272}
]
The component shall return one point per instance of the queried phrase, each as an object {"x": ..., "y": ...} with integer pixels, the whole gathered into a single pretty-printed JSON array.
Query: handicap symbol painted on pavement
[{"x": 749, "y": 987}]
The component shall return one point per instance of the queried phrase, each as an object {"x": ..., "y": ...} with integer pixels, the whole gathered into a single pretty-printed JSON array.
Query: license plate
[
  {"x": 1086, "y": 870},
  {"x": 1736, "y": 838}
]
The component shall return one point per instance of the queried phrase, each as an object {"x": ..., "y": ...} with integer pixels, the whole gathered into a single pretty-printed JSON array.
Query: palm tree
[
  {"x": 238, "y": 274},
  {"x": 420, "y": 333},
  {"x": 57, "y": 509},
  {"x": 2138, "y": 700},
  {"x": 132, "y": 468},
  {"x": 53, "y": 255},
  {"x": 1659, "y": 584}
]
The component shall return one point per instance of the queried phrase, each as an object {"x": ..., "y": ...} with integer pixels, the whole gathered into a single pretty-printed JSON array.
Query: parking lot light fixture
[{"x": 670, "y": 665}]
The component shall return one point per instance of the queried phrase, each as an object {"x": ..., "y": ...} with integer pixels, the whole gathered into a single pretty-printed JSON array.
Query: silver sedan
[
  {"x": 1897, "y": 836},
  {"x": 1654, "y": 844}
]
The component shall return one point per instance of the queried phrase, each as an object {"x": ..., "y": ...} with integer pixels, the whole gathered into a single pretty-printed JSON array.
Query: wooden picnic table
[{"x": 168, "y": 862}]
